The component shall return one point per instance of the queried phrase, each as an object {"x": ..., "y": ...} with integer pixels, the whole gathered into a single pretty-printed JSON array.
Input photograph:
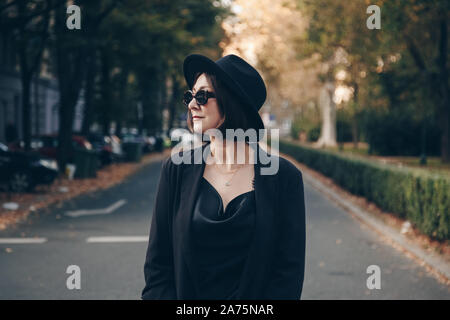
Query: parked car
[
  {"x": 146, "y": 142},
  {"x": 19, "y": 145},
  {"x": 22, "y": 171},
  {"x": 157, "y": 140},
  {"x": 108, "y": 147},
  {"x": 47, "y": 145}
]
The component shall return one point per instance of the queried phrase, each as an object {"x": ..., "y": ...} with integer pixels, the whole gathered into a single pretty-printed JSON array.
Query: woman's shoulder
[
  {"x": 288, "y": 171},
  {"x": 289, "y": 177},
  {"x": 285, "y": 166},
  {"x": 179, "y": 158},
  {"x": 288, "y": 166}
]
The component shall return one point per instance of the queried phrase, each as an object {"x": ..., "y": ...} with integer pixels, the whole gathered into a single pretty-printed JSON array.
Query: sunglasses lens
[
  {"x": 201, "y": 97},
  {"x": 187, "y": 97}
]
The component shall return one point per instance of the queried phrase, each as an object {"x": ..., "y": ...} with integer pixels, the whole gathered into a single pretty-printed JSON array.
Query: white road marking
[
  {"x": 108, "y": 210},
  {"x": 117, "y": 239},
  {"x": 22, "y": 240}
]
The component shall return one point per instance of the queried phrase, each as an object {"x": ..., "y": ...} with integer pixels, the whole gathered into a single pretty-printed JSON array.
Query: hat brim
[{"x": 198, "y": 63}]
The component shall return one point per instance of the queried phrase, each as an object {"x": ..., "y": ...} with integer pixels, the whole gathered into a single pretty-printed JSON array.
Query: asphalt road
[{"x": 339, "y": 250}]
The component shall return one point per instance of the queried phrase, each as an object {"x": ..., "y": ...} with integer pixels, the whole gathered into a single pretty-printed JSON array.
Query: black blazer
[{"x": 276, "y": 260}]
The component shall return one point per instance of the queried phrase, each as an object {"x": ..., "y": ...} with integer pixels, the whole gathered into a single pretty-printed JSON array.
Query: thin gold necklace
[{"x": 228, "y": 183}]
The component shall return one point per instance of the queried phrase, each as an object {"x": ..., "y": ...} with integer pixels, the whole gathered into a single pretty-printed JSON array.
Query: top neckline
[{"x": 220, "y": 197}]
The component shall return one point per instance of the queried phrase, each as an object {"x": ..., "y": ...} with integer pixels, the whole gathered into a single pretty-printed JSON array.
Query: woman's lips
[{"x": 197, "y": 118}]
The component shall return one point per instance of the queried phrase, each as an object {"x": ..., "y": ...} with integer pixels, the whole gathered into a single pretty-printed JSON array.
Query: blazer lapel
[{"x": 254, "y": 272}]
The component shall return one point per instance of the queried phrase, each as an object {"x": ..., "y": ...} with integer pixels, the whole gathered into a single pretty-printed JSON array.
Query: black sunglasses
[{"x": 201, "y": 97}]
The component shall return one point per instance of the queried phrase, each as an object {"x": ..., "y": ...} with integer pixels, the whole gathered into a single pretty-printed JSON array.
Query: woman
[{"x": 228, "y": 227}]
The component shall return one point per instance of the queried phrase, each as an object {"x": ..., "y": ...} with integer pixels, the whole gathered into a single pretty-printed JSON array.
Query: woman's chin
[{"x": 199, "y": 126}]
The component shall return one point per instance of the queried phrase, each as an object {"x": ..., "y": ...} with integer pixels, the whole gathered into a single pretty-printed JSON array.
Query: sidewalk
[
  {"x": 63, "y": 189},
  {"x": 434, "y": 256}
]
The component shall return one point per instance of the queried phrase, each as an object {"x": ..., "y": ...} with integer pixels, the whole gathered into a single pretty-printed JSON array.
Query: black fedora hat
[{"x": 239, "y": 76}]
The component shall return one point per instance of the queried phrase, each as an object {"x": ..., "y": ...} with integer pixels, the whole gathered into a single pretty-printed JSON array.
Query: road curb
[{"x": 433, "y": 260}]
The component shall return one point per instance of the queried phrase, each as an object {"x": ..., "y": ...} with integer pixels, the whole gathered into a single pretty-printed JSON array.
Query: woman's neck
[{"x": 230, "y": 154}]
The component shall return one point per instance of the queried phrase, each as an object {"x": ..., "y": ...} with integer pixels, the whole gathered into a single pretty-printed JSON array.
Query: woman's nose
[{"x": 193, "y": 103}]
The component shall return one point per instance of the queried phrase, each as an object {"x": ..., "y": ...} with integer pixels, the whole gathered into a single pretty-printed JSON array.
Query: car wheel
[{"x": 20, "y": 182}]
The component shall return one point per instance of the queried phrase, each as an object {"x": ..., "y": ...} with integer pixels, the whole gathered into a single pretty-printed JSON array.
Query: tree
[
  {"x": 418, "y": 29},
  {"x": 29, "y": 24},
  {"x": 148, "y": 41},
  {"x": 71, "y": 47},
  {"x": 337, "y": 33},
  {"x": 264, "y": 32},
  {"x": 408, "y": 45}
]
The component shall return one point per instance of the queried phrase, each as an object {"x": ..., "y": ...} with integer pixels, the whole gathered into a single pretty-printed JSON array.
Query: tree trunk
[
  {"x": 71, "y": 64},
  {"x": 328, "y": 109},
  {"x": 355, "y": 131},
  {"x": 26, "y": 114},
  {"x": 445, "y": 136},
  {"x": 173, "y": 102},
  {"x": 36, "y": 104},
  {"x": 107, "y": 102},
  {"x": 151, "y": 98},
  {"x": 444, "y": 90},
  {"x": 66, "y": 115},
  {"x": 118, "y": 127},
  {"x": 89, "y": 90},
  {"x": 440, "y": 94},
  {"x": 123, "y": 99}
]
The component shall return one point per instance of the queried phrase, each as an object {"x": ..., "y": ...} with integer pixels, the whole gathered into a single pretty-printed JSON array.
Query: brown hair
[{"x": 229, "y": 107}]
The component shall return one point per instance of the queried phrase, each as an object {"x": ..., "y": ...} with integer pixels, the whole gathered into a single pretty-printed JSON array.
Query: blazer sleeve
[
  {"x": 285, "y": 281},
  {"x": 159, "y": 266}
]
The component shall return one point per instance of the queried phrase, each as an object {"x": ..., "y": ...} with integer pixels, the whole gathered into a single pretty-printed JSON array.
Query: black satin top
[{"x": 221, "y": 241}]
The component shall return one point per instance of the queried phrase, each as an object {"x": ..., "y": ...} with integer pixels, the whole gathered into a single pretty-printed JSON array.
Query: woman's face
[{"x": 206, "y": 116}]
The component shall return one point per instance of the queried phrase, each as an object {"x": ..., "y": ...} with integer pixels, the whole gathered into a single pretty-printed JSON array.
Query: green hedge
[{"x": 420, "y": 197}]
